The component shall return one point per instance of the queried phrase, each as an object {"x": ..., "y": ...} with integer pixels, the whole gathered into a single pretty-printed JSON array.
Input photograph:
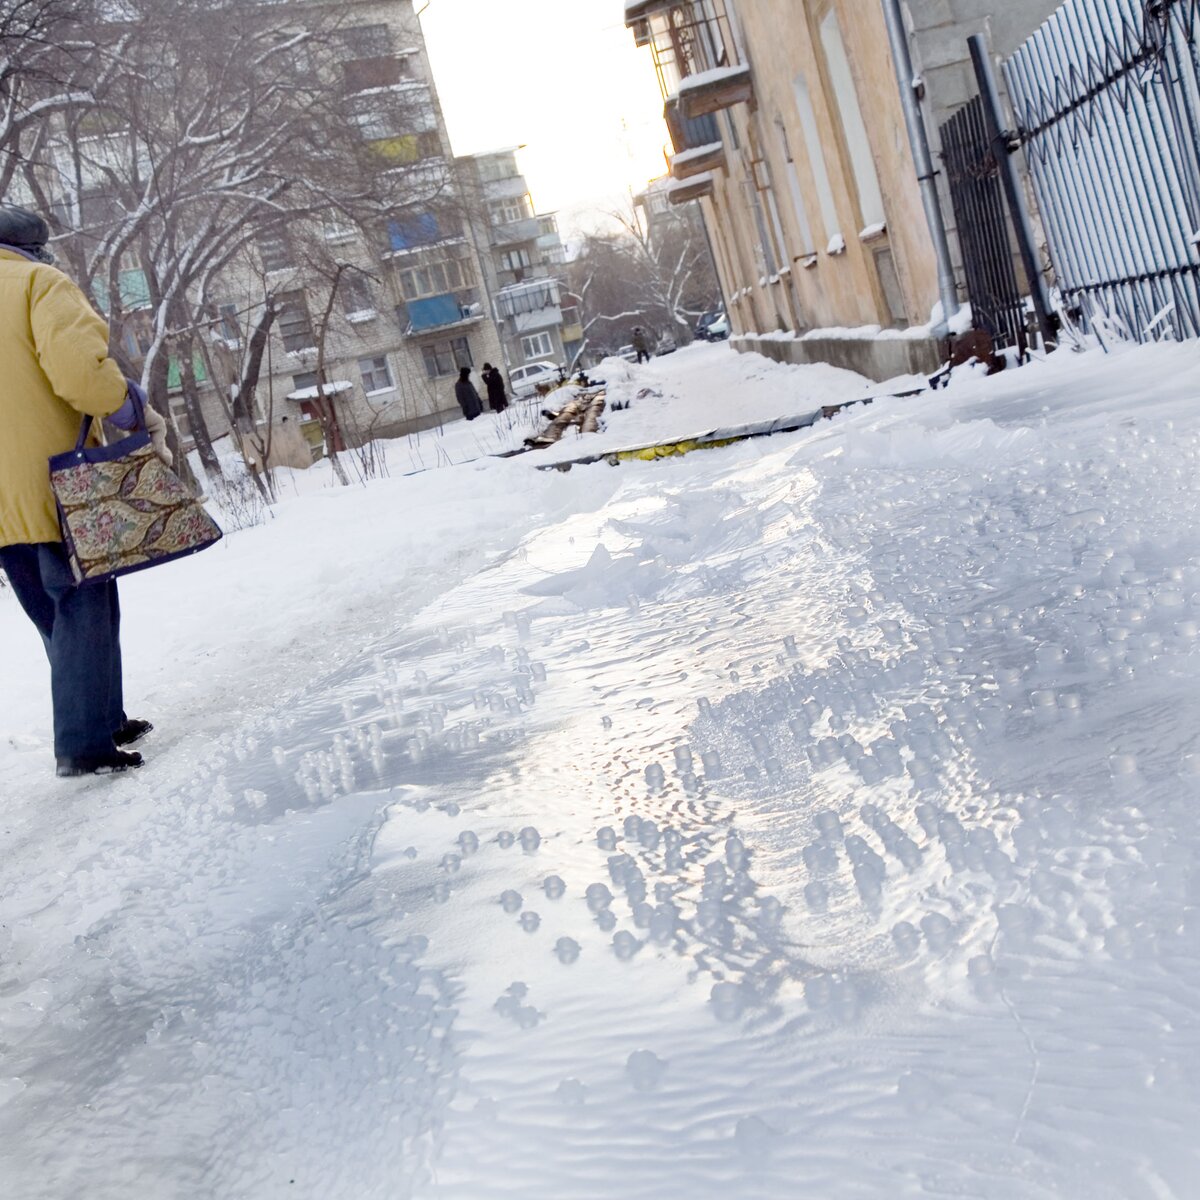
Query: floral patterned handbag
[{"x": 122, "y": 509}]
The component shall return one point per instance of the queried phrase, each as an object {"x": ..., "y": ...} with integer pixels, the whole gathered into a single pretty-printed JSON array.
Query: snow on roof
[
  {"x": 330, "y": 389},
  {"x": 686, "y": 156},
  {"x": 691, "y": 182},
  {"x": 705, "y": 79}
]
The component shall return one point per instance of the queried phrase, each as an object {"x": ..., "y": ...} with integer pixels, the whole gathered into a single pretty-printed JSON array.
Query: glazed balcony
[{"x": 696, "y": 55}]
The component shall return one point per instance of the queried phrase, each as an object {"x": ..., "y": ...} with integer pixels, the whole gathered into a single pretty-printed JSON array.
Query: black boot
[
  {"x": 98, "y": 764},
  {"x": 132, "y": 730}
]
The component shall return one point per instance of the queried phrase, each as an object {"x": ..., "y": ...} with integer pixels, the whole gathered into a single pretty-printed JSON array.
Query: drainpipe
[{"x": 926, "y": 175}]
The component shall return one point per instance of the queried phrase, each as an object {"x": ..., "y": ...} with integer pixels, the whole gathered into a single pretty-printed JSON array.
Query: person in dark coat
[
  {"x": 466, "y": 395},
  {"x": 641, "y": 344},
  {"x": 494, "y": 381}
]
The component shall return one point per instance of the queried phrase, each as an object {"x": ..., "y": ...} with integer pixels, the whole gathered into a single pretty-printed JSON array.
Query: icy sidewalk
[{"x": 813, "y": 818}]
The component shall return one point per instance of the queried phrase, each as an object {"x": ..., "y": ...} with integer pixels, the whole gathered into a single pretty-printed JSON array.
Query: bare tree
[{"x": 204, "y": 128}]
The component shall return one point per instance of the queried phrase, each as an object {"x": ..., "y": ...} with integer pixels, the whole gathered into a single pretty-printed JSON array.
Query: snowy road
[{"x": 808, "y": 819}]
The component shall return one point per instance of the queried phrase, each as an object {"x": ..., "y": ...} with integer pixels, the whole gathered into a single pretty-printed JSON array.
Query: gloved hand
[
  {"x": 156, "y": 427},
  {"x": 126, "y": 417}
]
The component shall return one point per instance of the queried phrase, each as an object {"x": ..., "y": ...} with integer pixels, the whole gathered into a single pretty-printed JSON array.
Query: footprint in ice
[
  {"x": 510, "y": 1006},
  {"x": 554, "y": 887},
  {"x": 728, "y": 1001},
  {"x": 572, "y": 1093},
  {"x": 598, "y": 897},
  {"x": 566, "y": 950},
  {"x": 606, "y": 838},
  {"x": 530, "y": 922},
  {"x": 754, "y": 1139},
  {"x": 530, "y": 839},
  {"x": 645, "y": 1070},
  {"x": 504, "y": 839},
  {"x": 625, "y": 945},
  {"x": 511, "y": 901},
  {"x": 468, "y": 842}
]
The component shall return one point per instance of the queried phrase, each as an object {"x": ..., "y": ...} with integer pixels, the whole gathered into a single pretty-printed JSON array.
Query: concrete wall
[{"x": 878, "y": 359}]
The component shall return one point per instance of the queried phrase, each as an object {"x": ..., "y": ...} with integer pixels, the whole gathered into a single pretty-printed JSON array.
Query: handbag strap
[{"x": 85, "y": 426}]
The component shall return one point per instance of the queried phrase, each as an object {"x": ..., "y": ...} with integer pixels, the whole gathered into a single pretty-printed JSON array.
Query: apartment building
[
  {"x": 787, "y": 124},
  {"x": 523, "y": 257},
  {"x": 410, "y": 304}
]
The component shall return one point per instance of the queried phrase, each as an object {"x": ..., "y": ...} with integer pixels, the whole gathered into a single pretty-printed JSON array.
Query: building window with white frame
[
  {"x": 435, "y": 278},
  {"x": 537, "y": 345},
  {"x": 506, "y": 212},
  {"x": 862, "y": 161},
  {"x": 816, "y": 158},
  {"x": 515, "y": 260},
  {"x": 445, "y": 358},
  {"x": 376, "y": 375}
]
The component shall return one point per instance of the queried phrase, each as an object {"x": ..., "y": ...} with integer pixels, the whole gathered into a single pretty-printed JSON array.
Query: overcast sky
[{"x": 562, "y": 77}]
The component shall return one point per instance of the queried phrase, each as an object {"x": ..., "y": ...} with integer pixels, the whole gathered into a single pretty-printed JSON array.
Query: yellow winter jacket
[{"x": 54, "y": 366}]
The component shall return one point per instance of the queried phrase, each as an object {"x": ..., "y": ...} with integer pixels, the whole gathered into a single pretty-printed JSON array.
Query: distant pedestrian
[
  {"x": 57, "y": 367},
  {"x": 641, "y": 344},
  {"x": 496, "y": 394},
  {"x": 466, "y": 395}
]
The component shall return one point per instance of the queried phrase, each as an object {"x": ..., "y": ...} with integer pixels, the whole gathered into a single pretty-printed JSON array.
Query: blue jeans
[{"x": 80, "y": 627}]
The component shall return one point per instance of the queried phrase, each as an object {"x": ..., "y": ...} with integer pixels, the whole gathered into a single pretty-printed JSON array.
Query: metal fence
[
  {"x": 1107, "y": 99},
  {"x": 973, "y": 173}
]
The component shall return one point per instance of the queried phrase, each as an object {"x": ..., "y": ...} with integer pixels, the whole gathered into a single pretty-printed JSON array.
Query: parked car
[
  {"x": 713, "y": 326},
  {"x": 666, "y": 345},
  {"x": 628, "y": 353},
  {"x": 718, "y": 331},
  {"x": 526, "y": 380}
]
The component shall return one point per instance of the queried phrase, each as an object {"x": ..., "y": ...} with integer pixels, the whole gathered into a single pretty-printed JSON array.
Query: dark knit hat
[{"x": 25, "y": 230}]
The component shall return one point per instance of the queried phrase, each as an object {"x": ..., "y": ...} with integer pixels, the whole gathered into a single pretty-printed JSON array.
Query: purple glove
[{"x": 129, "y": 415}]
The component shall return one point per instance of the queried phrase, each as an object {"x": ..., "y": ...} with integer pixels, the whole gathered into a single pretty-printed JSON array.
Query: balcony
[
  {"x": 688, "y": 134},
  {"x": 698, "y": 161},
  {"x": 696, "y": 56},
  {"x": 512, "y": 233},
  {"x": 695, "y": 188},
  {"x": 532, "y": 305},
  {"x": 440, "y": 312}
]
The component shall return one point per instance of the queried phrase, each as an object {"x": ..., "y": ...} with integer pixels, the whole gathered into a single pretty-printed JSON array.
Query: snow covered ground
[{"x": 811, "y": 818}]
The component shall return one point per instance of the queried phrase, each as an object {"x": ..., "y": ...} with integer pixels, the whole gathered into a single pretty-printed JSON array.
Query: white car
[
  {"x": 718, "y": 330},
  {"x": 526, "y": 380}
]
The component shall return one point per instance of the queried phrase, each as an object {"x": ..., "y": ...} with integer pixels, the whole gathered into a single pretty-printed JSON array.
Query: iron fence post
[{"x": 1003, "y": 150}]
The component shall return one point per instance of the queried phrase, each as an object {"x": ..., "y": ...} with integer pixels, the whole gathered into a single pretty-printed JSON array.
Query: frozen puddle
[{"x": 791, "y": 827}]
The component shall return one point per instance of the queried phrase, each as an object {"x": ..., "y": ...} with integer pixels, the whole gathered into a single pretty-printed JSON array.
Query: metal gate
[
  {"x": 1107, "y": 97},
  {"x": 979, "y": 211}
]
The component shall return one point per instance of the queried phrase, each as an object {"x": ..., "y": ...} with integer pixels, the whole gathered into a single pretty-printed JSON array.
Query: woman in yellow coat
[{"x": 54, "y": 350}]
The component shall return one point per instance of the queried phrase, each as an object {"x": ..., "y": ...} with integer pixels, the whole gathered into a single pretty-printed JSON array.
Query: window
[
  {"x": 357, "y": 298},
  {"x": 807, "y": 245},
  {"x": 816, "y": 156},
  {"x": 367, "y": 41},
  {"x": 505, "y": 212},
  {"x": 445, "y": 358},
  {"x": 231, "y": 328},
  {"x": 420, "y": 229},
  {"x": 514, "y": 260},
  {"x": 376, "y": 375},
  {"x": 295, "y": 327},
  {"x": 303, "y": 381},
  {"x": 862, "y": 162},
  {"x": 537, "y": 345},
  {"x": 361, "y": 74},
  {"x": 275, "y": 252},
  {"x": 376, "y": 118},
  {"x": 434, "y": 279}
]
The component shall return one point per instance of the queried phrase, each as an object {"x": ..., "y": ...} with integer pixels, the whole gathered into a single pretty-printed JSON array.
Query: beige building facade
[{"x": 787, "y": 124}]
